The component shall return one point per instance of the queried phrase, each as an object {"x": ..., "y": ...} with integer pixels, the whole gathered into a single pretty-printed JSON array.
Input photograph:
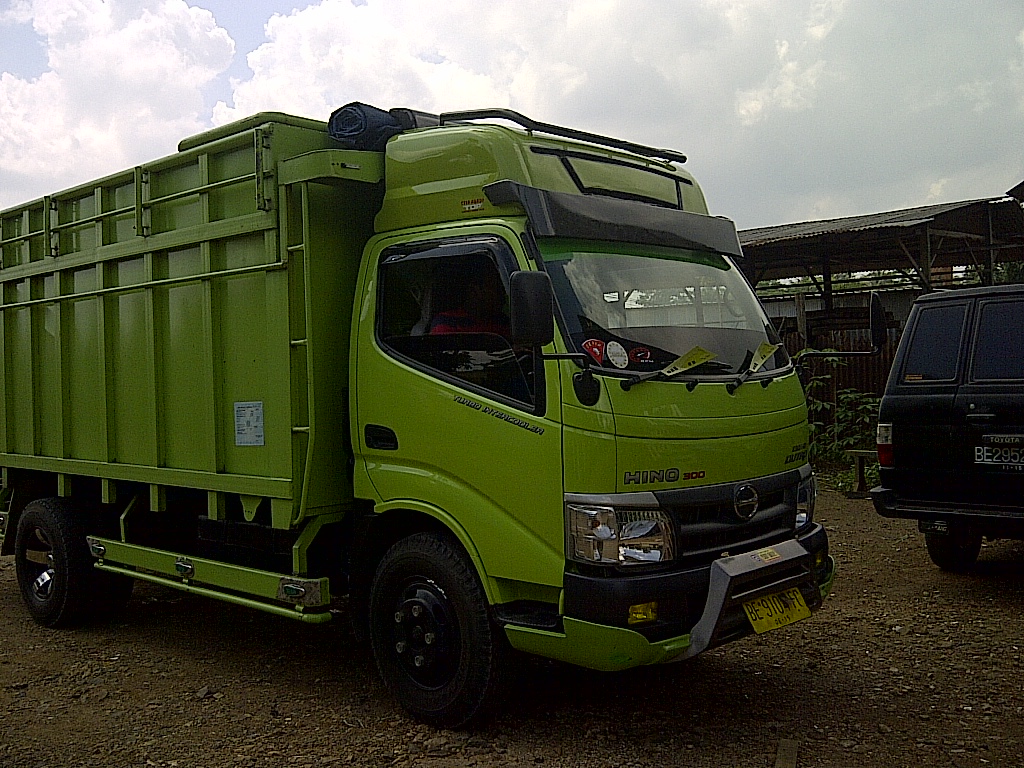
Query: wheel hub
[
  {"x": 425, "y": 634},
  {"x": 43, "y": 583},
  {"x": 39, "y": 553}
]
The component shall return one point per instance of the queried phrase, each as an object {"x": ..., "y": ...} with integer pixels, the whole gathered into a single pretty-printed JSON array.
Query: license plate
[
  {"x": 778, "y": 610},
  {"x": 1005, "y": 456}
]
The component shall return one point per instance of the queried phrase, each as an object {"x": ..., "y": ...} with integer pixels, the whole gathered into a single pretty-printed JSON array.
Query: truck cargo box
[{"x": 178, "y": 325}]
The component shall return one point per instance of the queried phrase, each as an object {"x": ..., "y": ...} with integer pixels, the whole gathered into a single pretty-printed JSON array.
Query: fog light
[{"x": 643, "y": 612}]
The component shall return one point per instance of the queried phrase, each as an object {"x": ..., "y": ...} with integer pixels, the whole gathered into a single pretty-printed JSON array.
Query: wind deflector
[{"x": 559, "y": 214}]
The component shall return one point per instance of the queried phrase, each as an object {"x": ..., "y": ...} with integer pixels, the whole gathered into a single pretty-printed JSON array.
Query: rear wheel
[
  {"x": 955, "y": 551},
  {"x": 55, "y": 571},
  {"x": 437, "y": 649}
]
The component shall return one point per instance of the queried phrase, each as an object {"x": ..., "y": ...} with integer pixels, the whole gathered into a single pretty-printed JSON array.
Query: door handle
[
  {"x": 979, "y": 418},
  {"x": 380, "y": 438}
]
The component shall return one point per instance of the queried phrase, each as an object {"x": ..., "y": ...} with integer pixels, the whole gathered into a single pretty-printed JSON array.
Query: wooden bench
[{"x": 861, "y": 459}]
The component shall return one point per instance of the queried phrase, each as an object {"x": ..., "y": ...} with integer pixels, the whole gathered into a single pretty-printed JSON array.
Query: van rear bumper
[{"x": 990, "y": 520}]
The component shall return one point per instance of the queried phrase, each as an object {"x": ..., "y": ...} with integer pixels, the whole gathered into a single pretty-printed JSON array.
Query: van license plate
[
  {"x": 1007, "y": 456},
  {"x": 778, "y": 610}
]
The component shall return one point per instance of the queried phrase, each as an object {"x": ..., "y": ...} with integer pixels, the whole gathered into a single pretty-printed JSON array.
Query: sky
[{"x": 789, "y": 110}]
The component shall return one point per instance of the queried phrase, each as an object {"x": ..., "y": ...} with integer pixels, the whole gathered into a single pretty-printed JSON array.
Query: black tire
[
  {"x": 956, "y": 551},
  {"x": 55, "y": 571},
  {"x": 436, "y": 647}
]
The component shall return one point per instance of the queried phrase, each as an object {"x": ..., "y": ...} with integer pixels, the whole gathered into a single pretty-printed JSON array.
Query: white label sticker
[
  {"x": 617, "y": 354},
  {"x": 249, "y": 423}
]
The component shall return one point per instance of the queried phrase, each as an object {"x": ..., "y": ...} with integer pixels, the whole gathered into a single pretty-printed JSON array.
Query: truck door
[
  {"x": 451, "y": 416},
  {"x": 989, "y": 410}
]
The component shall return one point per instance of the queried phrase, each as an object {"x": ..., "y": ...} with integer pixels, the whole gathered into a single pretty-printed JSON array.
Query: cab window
[
  {"x": 935, "y": 346},
  {"x": 444, "y": 309},
  {"x": 999, "y": 344}
]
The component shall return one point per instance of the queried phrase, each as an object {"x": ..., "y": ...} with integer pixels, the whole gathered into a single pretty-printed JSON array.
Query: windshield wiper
[
  {"x": 695, "y": 357},
  {"x": 753, "y": 363}
]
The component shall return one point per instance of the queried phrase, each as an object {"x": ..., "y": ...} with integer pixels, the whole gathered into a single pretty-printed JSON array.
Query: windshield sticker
[
  {"x": 691, "y": 359},
  {"x": 761, "y": 356},
  {"x": 617, "y": 354},
  {"x": 595, "y": 347},
  {"x": 640, "y": 355}
]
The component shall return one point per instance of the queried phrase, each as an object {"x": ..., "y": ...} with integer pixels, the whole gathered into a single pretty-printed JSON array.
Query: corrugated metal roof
[{"x": 907, "y": 217}]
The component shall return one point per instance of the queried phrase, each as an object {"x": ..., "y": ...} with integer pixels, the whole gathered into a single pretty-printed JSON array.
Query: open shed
[
  {"x": 814, "y": 277},
  {"x": 923, "y": 248}
]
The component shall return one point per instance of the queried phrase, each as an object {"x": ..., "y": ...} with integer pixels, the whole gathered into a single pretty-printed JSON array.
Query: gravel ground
[{"x": 903, "y": 665}]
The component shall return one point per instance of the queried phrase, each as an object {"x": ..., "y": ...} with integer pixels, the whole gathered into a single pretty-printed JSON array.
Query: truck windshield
[{"x": 640, "y": 308}]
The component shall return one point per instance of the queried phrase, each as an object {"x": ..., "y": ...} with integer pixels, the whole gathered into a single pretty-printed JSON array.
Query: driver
[{"x": 474, "y": 301}]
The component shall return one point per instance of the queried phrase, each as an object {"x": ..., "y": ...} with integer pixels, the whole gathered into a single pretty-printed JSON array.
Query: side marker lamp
[{"x": 806, "y": 496}]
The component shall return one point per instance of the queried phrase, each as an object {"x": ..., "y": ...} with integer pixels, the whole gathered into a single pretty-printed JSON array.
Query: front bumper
[{"x": 698, "y": 609}]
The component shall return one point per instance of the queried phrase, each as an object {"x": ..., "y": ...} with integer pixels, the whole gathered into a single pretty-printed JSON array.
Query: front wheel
[
  {"x": 955, "y": 551},
  {"x": 437, "y": 649}
]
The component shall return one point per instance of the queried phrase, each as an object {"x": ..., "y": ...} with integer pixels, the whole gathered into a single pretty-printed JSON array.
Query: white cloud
[
  {"x": 788, "y": 108},
  {"x": 790, "y": 87},
  {"x": 936, "y": 189},
  {"x": 406, "y": 53},
  {"x": 793, "y": 83},
  {"x": 823, "y": 17},
  {"x": 124, "y": 84}
]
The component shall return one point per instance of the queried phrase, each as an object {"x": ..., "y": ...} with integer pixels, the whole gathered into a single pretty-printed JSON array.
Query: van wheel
[
  {"x": 955, "y": 551},
  {"x": 55, "y": 571},
  {"x": 437, "y": 649}
]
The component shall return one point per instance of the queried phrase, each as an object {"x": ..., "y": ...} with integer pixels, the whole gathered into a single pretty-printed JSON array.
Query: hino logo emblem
[
  {"x": 671, "y": 475},
  {"x": 744, "y": 501}
]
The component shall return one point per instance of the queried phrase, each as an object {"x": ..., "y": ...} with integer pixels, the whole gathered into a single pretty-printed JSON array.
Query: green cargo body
[{"x": 159, "y": 327}]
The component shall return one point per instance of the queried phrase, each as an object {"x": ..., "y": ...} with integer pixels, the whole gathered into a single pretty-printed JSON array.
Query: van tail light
[{"x": 884, "y": 443}]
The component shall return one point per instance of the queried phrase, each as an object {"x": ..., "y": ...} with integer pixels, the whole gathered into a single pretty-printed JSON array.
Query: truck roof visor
[{"x": 560, "y": 214}]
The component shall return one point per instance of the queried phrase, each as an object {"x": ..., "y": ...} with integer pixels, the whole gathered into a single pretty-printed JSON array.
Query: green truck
[{"x": 490, "y": 384}]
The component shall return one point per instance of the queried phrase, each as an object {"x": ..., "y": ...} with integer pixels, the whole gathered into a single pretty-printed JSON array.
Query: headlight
[
  {"x": 617, "y": 536},
  {"x": 806, "y": 494}
]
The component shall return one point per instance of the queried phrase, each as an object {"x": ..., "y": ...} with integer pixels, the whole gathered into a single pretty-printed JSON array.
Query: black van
[{"x": 951, "y": 422}]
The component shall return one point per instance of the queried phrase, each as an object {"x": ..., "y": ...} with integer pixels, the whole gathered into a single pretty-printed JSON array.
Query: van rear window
[
  {"x": 935, "y": 347},
  {"x": 999, "y": 347}
]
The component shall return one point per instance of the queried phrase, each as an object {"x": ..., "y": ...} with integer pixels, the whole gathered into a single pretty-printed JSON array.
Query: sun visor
[{"x": 590, "y": 217}]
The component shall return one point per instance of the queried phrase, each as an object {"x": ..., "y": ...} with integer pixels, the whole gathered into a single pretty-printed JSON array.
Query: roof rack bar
[{"x": 557, "y": 130}]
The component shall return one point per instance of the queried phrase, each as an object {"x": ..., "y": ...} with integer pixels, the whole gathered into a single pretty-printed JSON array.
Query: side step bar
[{"x": 306, "y": 600}]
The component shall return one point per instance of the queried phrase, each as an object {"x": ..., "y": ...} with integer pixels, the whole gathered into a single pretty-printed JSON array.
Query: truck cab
[{"x": 608, "y": 476}]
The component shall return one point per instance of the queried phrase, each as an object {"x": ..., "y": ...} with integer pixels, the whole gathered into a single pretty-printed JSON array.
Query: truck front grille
[{"x": 705, "y": 531}]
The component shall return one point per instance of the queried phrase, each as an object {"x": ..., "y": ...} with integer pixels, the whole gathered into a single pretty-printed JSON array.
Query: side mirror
[
  {"x": 879, "y": 332},
  {"x": 531, "y": 302}
]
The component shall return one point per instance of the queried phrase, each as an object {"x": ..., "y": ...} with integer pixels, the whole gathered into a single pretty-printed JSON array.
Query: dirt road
[{"x": 904, "y": 665}]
